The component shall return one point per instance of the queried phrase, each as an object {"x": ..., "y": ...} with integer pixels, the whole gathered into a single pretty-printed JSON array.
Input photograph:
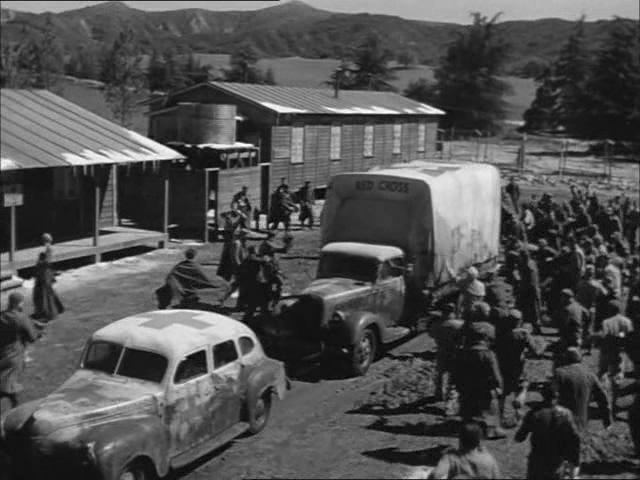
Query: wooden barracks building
[{"x": 300, "y": 133}]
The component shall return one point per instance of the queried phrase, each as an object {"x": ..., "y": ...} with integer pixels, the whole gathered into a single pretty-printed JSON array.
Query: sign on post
[{"x": 12, "y": 195}]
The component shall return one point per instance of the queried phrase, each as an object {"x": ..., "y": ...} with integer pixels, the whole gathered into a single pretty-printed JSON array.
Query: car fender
[
  {"x": 267, "y": 374},
  {"x": 357, "y": 322},
  {"x": 116, "y": 443}
]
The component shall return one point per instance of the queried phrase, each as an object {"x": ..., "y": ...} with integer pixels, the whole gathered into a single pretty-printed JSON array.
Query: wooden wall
[{"x": 318, "y": 168}]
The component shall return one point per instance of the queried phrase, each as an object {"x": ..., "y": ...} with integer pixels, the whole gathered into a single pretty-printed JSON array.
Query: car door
[
  {"x": 227, "y": 372},
  {"x": 390, "y": 290},
  {"x": 191, "y": 402}
]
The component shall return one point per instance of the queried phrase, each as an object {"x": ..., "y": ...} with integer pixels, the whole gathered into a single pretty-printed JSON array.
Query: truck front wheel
[{"x": 364, "y": 352}]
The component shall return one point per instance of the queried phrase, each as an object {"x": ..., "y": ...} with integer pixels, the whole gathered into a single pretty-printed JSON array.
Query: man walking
[
  {"x": 307, "y": 201},
  {"x": 16, "y": 331},
  {"x": 554, "y": 437},
  {"x": 577, "y": 386}
]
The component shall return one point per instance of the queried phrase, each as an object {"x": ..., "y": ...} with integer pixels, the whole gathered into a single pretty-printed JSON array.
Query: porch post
[
  {"x": 96, "y": 215},
  {"x": 206, "y": 205},
  {"x": 114, "y": 173},
  {"x": 165, "y": 212},
  {"x": 12, "y": 247}
]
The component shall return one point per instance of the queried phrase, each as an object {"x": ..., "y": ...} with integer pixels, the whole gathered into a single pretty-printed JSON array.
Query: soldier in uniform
[{"x": 307, "y": 201}]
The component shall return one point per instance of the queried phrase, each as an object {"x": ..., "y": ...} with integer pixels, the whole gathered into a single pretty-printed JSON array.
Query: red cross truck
[
  {"x": 153, "y": 392},
  {"x": 393, "y": 241}
]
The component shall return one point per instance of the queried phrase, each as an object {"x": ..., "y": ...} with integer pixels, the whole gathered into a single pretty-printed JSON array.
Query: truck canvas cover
[{"x": 441, "y": 214}]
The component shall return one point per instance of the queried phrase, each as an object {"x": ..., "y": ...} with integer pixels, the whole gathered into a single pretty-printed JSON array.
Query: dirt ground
[{"x": 382, "y": 425}]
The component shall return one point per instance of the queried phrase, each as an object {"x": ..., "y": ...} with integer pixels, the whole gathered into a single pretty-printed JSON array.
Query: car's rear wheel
[
  {"x": 260, "y": 413},
  {"x": 364, "y": 352},
  {"x": 135, "y": 471}
]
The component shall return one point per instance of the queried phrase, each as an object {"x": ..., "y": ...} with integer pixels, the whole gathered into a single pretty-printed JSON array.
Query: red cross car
[{"x": 153, "y": 392}]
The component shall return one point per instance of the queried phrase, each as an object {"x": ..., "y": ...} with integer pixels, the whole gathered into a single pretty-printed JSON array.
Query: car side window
[
  {"x": 246, "y": 345},
  {"x": 224, "y": 353},
  {"x": 194, "y": 365}
]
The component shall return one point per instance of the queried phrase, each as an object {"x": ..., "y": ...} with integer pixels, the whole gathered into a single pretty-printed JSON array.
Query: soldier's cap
[
  {"x": 476, "y": 288},
  {"x": 567, "y": 292},
  {"x": 573, "y": 355}
]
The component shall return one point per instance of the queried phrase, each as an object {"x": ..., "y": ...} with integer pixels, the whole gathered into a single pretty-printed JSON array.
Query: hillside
[{"x": 287, "y": 30}]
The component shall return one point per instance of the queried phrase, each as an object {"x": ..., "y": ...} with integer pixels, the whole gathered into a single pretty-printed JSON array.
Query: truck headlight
[{"x": 337, "y": 317}]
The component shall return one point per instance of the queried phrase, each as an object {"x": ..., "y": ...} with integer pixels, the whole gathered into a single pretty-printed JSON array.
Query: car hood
[
  {"x": 335, "y": 287},
  {"x": 86, "y": 397}
]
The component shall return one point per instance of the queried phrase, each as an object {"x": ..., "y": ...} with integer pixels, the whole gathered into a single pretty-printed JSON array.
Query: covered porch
[{"x": 60, "y": 168}]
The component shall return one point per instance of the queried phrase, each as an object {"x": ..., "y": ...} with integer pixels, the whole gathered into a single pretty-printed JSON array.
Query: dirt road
[{"x": 378, "y": 426}]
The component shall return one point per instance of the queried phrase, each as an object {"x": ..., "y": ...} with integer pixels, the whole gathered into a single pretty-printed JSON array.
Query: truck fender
[
  {"x": 116, "y": 443},
  {"x": 356, "y": 322},
  {"x": 268, "y": 374}
]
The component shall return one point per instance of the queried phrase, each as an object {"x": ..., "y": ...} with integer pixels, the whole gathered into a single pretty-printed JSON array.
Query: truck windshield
[
  {"x": 106, "y": 357},
  {"x": 333, "y": 265}
]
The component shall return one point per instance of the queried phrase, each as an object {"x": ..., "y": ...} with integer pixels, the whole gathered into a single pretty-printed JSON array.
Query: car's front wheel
[
  {"x": 364, "y": 352},
  {"x": 135, "y": 471},
  {"x": 260, "y": 413}
]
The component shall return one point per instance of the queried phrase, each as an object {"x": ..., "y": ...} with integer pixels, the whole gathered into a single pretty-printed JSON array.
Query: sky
[{"x": 457, "y": 11}]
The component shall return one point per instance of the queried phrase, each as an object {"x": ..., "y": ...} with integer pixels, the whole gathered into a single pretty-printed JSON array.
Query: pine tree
[
  {"x": 467, "y": 82},
  {"x": 371, "y": 67},
  {"x": 540, "y": 115},
  {"x": 614, "y": 86},
  {"x": 570, "y": 72},
  {"x": 123, "y": 76}
]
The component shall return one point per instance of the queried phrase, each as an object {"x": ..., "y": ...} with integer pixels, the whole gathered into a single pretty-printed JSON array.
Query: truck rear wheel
[{"x": 364, "y": 352}]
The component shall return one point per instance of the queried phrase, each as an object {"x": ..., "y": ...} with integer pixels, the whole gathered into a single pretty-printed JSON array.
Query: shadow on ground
[
  {"x": 190, "y": 468},
  {"x": 610, "y": 468},
  {"x": 448, "y": 428},
  {"x": 429, "y": 456}
]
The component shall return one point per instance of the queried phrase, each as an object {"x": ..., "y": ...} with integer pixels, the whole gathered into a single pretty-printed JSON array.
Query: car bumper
[{"x": 289, "y": 346}]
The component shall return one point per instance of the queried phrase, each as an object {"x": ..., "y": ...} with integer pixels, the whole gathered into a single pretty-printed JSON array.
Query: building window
[
  {"x": 336, "y": 142},
  {"x": 297, "y": 144},
  {"x": 368, "y": 141},
  {"x": 397, "y": 138},
  {"x": 421, "y": 136}
]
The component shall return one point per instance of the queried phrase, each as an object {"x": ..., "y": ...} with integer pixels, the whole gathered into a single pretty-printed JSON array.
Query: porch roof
[{"x": 39, "y": 129}]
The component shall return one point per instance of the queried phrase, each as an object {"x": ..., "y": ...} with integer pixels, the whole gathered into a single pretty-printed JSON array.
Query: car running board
[
  {"x": 209, "y": 446},
  {"x": 395, "y": 333}
]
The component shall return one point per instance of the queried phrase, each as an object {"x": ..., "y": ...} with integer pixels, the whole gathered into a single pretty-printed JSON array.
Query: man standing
[
  {"x": 587, "y": 292},
  {"x": 529, "y": 297},
  {"x": 307, "y": 201},
  {"x": 554, "y": 436},
  {"x": 513, "y": 190},
  {"x": 16, "y": 330},
  {"x": 569, "y": 320},
  {"x": 612, "y": 339},
  {"x": 577, "y": 386},
  {"x": 448, "y": 336},
  {"x": 478, "y": 378},
  {"x": 512, "y": 341},
  {"x": 241, "y": 199},
  {"x": 471, "y": 460}
]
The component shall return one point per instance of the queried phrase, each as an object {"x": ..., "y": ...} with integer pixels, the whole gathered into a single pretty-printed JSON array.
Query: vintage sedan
[{"x": 152, "y": 392}]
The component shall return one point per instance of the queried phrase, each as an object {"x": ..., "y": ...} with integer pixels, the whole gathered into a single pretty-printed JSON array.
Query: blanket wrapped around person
[{"x": 185, "y": 280}]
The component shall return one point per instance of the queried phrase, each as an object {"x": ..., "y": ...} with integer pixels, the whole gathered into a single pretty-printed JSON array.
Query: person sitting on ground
[
  {"x": 554, "y": 437},
  {"x": 185, "y": 279},
  {"x": 471, "y": 460}
]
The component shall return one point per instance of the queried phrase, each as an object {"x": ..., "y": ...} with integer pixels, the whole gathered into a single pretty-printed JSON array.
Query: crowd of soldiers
[{"x": 569, "y": 266}]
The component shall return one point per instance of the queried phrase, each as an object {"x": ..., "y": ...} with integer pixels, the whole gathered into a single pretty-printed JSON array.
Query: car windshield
[
  {"x": 333, "y": 265},
  {"x": 132, "y": 363}
]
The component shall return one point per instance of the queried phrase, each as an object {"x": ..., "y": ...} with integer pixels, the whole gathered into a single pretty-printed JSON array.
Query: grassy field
[{"x": 293, "y": 71}]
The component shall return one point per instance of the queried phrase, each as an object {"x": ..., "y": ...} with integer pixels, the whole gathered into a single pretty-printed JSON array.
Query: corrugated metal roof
[
  {"x": 296, "y": 100},
  {"x": 39, "y": 129}
]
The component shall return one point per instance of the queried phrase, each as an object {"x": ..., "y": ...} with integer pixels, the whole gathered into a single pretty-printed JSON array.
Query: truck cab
[{"x": 354, "y": 306}]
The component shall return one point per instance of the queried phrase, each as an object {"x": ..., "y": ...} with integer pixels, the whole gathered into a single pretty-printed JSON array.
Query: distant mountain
[{"x": 290, "y": 29}]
